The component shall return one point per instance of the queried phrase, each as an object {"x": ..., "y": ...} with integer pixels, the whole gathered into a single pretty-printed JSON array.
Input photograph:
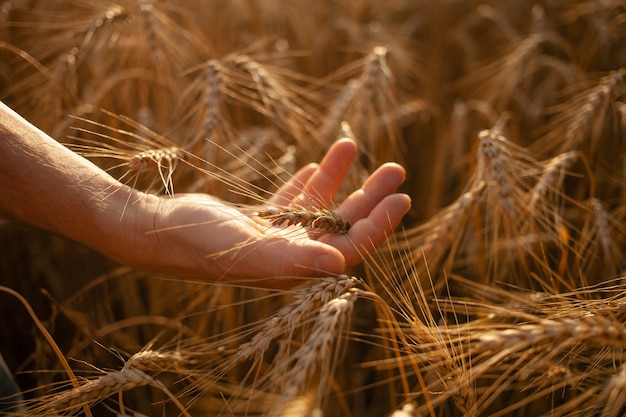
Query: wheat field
[{"x": 503, "y": 293}]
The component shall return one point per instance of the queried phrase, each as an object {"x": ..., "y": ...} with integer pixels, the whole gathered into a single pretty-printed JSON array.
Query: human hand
[
  {"x": 199, "y": 237},
  {"x": 193, "y": 236}
]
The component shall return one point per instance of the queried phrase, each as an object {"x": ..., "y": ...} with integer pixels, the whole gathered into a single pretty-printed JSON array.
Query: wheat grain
[
  {"x": 447, "y": 224},
  {"x": 162, "y": 158},
  {"x": 284, "y": 333},
  {"x": 272, "y": 95},
  {"x": 548, "y": 205},
  {"x": 436, "y": 241},
  {"x": 165, "y": 159},
  {"x": 212, "y": 97},
  {"x": 602, "y": 222},
  {"x": 508, "y": 172},
  {"x": 454, "y": 379}
]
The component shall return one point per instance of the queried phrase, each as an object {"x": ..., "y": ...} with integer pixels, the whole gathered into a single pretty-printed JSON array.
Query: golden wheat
[
  {"x": 493, "y": 300},
  {"x": 312, "y": 217},
  {"x": 100, "y": 388}
]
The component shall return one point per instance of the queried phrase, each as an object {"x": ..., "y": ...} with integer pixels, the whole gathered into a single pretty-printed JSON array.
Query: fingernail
[{"x": 328, "y": 264}]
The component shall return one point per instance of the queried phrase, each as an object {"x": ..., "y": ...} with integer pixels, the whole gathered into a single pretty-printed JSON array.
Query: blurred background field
[{"x": 502, "y": 293}]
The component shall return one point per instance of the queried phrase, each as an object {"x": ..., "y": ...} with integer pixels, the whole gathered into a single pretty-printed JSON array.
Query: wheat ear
[
  {"x": 97, "y": 389},
  {"x": 315, "y": 218},
  {"x": 315, "y": 361},
  {"x": 289, "y": 317}
]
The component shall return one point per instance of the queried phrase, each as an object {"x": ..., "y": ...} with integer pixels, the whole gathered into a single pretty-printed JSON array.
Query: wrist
[{"x": 123, "y": 227}]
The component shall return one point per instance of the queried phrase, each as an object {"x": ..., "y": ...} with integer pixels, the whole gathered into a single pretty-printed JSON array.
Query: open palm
[{"x": 226, "y": 245}]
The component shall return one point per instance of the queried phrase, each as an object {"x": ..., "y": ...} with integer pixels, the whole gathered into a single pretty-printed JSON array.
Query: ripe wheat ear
[
  {"x": 365, "y": 102},
  {"x": 139, "y": 151},
  {"x": 312, "y": 217}
]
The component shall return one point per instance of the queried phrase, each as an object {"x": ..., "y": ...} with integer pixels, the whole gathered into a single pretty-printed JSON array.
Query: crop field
[{"x": 503, "y": 291}]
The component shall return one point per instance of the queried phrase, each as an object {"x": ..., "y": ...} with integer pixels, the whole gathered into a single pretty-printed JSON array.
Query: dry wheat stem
[
  {"x": 41, "y": 68},
  {"x": 48, "y": 338},
  {"x": 406, "y": 293},
  {"x": 428, "y": 343}
]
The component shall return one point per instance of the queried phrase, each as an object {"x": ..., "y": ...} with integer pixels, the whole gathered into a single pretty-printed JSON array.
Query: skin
[{"x": 194, "y": 236}]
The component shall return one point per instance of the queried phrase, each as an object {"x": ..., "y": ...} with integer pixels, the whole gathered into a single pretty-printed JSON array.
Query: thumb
[
  {"x": 283, "y": 261},
  {"x": 305, "y": 258}
]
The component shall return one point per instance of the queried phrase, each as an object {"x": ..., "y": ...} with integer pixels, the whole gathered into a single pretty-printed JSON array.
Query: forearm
[{"x": 48, "y": 186}]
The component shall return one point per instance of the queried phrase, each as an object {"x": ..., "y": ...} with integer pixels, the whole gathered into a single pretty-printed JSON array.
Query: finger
[
  {"x": 369, "y": 232},
  {"x": 325, "y": 182},
  {"x": 383, "y": 182},
  {"x": 292, "y": 188}
]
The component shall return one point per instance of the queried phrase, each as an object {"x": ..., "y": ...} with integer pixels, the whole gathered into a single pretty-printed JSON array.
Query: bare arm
[
  {"x": 47, "y": 185},
  {"x": 194, "y": 236}
]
